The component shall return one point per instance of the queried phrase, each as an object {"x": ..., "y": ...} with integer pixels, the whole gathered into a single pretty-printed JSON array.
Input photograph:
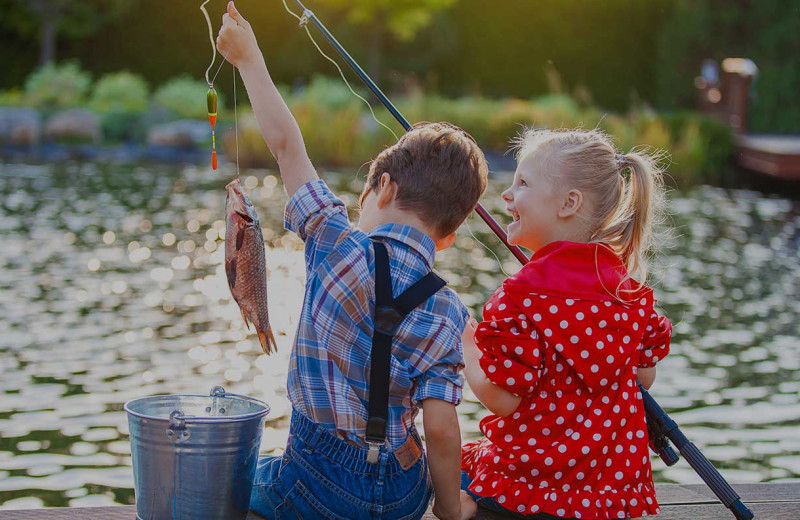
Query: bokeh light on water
[{"x": 112, "y": 287}]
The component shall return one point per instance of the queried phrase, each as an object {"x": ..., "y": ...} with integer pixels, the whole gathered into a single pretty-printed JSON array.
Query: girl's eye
[{"x": 522, "y": 183}]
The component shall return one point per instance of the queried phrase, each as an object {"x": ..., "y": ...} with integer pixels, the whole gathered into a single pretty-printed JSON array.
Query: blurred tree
[
  {"x": 402, "y": 19},
  {"x": 70, "y": 18}
]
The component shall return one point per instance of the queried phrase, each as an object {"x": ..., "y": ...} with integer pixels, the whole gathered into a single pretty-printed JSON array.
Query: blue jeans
[
  {"x": 491, "y": 504},
  {"x": 322, "y": 476}
]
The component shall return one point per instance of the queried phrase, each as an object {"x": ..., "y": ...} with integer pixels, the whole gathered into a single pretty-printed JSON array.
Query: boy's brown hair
[{"x": 440, "y": 173}]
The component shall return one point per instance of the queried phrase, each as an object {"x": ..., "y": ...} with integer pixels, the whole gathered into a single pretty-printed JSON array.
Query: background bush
[
  {"x": 57, "y": 86},
  {"x": 185, "y": 97},
  {"x": 120, "y": 92}
]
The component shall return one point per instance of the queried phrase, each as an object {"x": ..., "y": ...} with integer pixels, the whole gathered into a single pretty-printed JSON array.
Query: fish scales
[{"x": 245, "y": 263}]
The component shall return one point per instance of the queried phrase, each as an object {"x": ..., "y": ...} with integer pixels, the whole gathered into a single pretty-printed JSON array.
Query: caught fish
[{"x": 245, "y": 263}]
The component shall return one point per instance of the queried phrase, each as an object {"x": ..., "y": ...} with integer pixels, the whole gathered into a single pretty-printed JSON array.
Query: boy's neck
[{"x": 395, "y": 215}]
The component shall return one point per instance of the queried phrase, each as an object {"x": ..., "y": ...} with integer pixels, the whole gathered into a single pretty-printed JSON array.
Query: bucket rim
[{"x": 195, "y": 419}]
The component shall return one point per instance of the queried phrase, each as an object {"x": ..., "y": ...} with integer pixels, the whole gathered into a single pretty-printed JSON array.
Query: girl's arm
[
  {"x": 497, "y": 400},
  {"x": 647, "y": 376},
  {"x": 237, "y": 43}
]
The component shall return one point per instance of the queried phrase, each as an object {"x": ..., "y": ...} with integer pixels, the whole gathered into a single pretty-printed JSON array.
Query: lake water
[{"x": 112, "y": 287}]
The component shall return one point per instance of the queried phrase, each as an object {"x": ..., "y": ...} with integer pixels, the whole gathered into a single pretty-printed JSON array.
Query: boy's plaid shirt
[{"x": 329, "y": 366}]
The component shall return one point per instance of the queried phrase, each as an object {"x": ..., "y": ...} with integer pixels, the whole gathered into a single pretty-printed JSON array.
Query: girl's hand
[
  {"x": 471, "y": 351},
  {"x": 236, "y": 40}
]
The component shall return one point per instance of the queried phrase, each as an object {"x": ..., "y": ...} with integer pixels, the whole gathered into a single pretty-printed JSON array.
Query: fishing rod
[{"x": 660, "y": 426}]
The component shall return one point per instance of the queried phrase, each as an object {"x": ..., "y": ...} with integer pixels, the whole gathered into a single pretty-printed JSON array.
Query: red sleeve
[
  {"x": 512, "y": 356},
  {"x": 656, "y": 339}
]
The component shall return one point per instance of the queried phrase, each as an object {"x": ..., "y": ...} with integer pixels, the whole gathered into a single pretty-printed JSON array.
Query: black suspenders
[{"x": 389, "y": 313}]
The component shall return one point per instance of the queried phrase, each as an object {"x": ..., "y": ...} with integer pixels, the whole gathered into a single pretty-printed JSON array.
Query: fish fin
[
  {"x": 267, "y": 340},
  {"x": 230, "y": 271},
  {"x": 240, "y": 238},
  {"x": 244, "y": 317}
]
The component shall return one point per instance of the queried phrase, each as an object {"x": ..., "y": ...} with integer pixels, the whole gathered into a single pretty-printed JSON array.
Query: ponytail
[{"x": 630, "y": 229}]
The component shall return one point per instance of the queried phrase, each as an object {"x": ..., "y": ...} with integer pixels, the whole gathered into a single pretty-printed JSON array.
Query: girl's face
[{"x": 534, "y": 203}]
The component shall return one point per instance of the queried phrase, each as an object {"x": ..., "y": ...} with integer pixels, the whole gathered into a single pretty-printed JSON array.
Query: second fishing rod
[{"x": 660, "y": 426}]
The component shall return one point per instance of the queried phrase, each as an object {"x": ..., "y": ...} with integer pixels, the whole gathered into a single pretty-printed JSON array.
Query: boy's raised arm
[{"x": 237, "y": 43}]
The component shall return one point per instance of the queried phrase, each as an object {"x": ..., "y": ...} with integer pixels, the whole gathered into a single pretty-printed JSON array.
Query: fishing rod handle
[{"x": 714, "y": 480}]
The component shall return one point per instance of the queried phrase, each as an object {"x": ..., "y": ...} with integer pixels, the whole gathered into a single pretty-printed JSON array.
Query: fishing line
[
  {"x": 235, "y": 121},
  {"x": 341, "y": 73},
  {"x": 211, "y": 39},
  {"x": 211, "y": 89},
  {"x": 499, "y": 263}
]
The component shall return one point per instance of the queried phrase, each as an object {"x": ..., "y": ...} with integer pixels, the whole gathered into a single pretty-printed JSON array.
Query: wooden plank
[
  {"x": 750, "y": 493},
  {"x": 772, "y": 500},
  {"x": 72, "y": 513},
  {"x": 767, "y": 511},
  {"x": 774, "y": 144}
]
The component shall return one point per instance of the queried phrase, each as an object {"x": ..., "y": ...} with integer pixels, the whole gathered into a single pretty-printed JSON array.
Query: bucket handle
[
  {"x": 218, "y": 391},
  {"x": 177, "y": 424}
]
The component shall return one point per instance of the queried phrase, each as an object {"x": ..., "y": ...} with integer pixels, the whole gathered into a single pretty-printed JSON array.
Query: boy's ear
[
  {"x": 444, "y": 243},
  {"x": 388, "y": 190},
  {"x": 572, "y": 203}
]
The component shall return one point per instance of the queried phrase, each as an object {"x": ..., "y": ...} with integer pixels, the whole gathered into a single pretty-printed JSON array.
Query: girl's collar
[{"x": 579, "y": 271}]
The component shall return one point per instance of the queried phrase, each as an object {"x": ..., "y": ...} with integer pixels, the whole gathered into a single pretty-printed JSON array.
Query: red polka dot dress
[{"x": 555, "y": 335}]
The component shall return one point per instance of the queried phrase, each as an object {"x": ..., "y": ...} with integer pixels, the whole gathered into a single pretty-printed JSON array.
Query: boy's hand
[
  {"x": 471, "y": 351},
  {"x": 236, "y": 40},
  {"x": 468, "y": 506}
]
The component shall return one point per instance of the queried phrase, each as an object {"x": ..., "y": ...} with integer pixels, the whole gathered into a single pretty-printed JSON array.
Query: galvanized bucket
[{"x": 194, "y": 456}]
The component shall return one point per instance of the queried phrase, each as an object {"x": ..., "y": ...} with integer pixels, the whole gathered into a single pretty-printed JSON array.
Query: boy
[{"x": 359, "y": 370}]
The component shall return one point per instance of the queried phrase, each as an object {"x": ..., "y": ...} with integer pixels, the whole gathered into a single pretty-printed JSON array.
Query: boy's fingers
[{"x": 235, "y": 14}]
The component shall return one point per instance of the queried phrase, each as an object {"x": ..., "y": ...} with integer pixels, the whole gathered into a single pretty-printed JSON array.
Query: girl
[{"x": 562, "y": 343}]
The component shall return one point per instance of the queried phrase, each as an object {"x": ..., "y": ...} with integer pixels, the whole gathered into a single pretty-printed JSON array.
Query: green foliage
[
  {"x": 11, "y": 98},
  {"x": 403, "y": 19},
  {"x": 120, "y": 92},
  {"x": 122, "y": 125},
  {"x": 765, "y": 32},
  {"x": 700, "y": 147},
  {"x": 330, "y": 93},
  {"x": 185, "y": 97},
  {"x": 57, "y": 86},
  {"x": 341, "y": 133}
]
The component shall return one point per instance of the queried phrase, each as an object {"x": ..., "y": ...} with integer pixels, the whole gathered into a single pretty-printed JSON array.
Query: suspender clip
[{"x": 374, "y": 453}]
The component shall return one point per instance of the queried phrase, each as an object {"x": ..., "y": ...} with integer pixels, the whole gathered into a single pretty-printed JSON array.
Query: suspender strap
[{"x": 389, "y": 314}]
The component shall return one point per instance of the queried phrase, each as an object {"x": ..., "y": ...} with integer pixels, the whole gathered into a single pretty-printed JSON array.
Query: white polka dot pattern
[{"x": 573, "y": 447}]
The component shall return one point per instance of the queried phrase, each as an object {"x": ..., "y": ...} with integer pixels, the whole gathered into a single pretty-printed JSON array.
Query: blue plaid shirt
[{"x": 329, "y": 366}]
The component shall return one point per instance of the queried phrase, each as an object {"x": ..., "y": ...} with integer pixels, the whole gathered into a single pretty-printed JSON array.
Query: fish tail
[{"x": 267, "y": 341}]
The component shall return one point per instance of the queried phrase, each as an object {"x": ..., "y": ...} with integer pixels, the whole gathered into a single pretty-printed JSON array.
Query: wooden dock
[
  {"x": 769, "y": 501},
  {"x": 775, "y": 155}
]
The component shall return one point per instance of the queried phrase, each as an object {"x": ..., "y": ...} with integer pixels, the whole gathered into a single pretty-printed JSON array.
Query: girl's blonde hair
[{"x": 625, "y": 192}]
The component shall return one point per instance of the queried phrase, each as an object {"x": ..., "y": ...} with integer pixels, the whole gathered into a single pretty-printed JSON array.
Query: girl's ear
[
  {"x": 388, "y": 190},
  {"x": 571, "y": 205}
]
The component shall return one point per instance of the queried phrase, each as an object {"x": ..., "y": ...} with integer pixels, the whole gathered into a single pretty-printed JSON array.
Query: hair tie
[{"x": 622, "y": 161}]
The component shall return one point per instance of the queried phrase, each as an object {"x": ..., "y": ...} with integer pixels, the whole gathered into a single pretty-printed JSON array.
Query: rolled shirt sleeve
[
  {"x": 319, "y": 218},
  {"x": 444, "y": 379}
]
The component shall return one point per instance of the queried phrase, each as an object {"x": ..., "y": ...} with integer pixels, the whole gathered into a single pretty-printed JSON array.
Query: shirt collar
[
  {"x": 412, "y": 237},
  {"x": 575, "y": 270}
]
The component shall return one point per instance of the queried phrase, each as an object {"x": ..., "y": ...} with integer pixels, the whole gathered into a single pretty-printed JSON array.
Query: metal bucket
[{"x": 194, "y": 456}]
